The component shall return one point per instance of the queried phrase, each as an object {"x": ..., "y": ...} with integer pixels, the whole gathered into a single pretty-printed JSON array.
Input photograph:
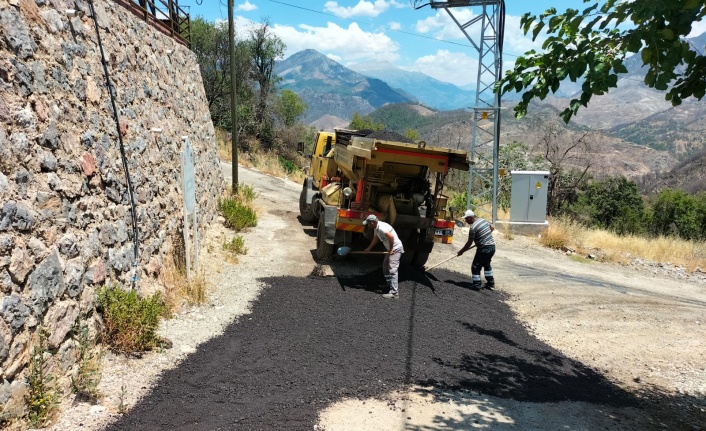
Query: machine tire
[
  {"x": 305, "y": 210},
  {"x": 317, "y": 207},
  {"x": 324, "y": 250}
]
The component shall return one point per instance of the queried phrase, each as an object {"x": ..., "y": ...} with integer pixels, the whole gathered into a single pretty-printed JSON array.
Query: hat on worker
[
  {"x": 469, "y": 213},
  {"x": 371, "y": 217}
]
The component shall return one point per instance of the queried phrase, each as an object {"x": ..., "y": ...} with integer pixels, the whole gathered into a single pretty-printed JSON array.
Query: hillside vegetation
[{"x": 454, "y": 129}]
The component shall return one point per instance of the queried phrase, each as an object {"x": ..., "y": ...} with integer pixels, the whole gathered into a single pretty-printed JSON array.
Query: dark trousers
[{"x": 484, "y": 254}]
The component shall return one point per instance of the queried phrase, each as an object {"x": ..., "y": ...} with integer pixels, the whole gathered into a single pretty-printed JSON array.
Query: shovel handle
[
  {"x": 443, "y": 261},
  {"x": 370, "y": 252}
]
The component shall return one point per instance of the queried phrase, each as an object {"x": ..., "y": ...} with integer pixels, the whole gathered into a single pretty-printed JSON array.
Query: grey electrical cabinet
[{"x": 528, "y": 200}]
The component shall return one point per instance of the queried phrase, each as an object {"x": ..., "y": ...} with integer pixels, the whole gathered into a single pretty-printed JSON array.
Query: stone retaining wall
[{"x": 65, "y": 213}]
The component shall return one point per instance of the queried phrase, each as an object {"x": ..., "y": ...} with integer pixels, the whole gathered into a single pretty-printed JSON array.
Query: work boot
[
  {"x": 489, "y": 283},
  {"x": 391, "y": 296},
  {"x": 476, "y": 285}
]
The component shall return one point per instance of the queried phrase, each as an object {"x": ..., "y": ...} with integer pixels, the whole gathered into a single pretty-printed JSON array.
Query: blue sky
[{"x": 355, "y": 31}]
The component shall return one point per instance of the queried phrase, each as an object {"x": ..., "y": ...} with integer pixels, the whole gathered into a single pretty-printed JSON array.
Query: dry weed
[
  {"x": 556, "y": 236},
  {"x": 225, "y": 150},
  {"x": 178, "y": 290},
  {"x": 264, "y": 161},
  {"x": 621, "y": 249}
]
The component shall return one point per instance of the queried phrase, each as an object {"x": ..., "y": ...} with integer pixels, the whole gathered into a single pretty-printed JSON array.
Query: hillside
[
  {"x": 679, "y": 130},
  {"x": 634, "y": 130},
  {"x": 329, "y": 122},
  {"x": 689, "y": 175},
  {"x": 329, "y": 88}
]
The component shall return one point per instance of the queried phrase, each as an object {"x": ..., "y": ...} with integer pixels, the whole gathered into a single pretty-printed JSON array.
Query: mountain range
[
  {"x": 427, "y": 90},
  {"x": 328, "y": 88},
  {"x": 638, "y": 130}
]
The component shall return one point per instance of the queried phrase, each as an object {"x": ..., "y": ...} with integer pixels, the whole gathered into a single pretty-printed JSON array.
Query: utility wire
[
  {"x": 122, "y": 146},
  {"x": 371, "y": 25}
]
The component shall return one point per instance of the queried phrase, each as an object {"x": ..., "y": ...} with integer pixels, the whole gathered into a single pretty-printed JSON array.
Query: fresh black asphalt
[{"x": 312, "y": 341}]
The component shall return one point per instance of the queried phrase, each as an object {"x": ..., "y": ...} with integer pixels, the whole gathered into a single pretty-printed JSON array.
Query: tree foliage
[
  {"x": 512, "y": 157},
  {"x": 265, "y": 49},
  {"x": 593, "y": 44},
  {"x": 675, "y": 212},
  {"x": 290, "y": 107},
  {"x": 210, "y": 44},
  {"x": 360, "y": 122},
  {"x": 411, "y": 134},
  {"x": 613, "y": 203},
  {"x": 258, "y": 105}
]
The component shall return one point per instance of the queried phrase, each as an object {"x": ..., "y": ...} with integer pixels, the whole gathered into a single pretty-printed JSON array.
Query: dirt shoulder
[{"x": 642, "y": 331}]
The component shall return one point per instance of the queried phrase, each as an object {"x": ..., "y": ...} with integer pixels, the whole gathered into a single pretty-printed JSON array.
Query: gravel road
[{"x": 286, "y": 344}]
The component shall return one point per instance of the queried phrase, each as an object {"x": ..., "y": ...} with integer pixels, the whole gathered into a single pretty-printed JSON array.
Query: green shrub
[
  {"x": 287, "y": 165},
  {"x": 130, "y": 322},
  {"x": 238, "y": 215},
  {"x": 235, "y": 245}
]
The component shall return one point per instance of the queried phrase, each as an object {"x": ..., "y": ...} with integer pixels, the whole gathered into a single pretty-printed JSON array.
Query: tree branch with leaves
[{"x": 593, "y": 44}]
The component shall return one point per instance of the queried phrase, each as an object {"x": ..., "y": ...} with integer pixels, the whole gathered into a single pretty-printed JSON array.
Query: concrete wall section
[{"x": 65, "y": 213}]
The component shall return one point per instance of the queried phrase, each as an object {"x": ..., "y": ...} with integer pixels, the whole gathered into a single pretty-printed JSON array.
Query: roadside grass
[
  {"x": 235, "y": 246},
  {"x": 621, "y": 249},
  {"x": 268, "y": 162},
  {"x": 85, "y": 380},
  {"x": 563, "y": 233},
  {"x": 239, "y": 214},
  {"x": 580, "y": 259},
  {"x": 178, "y": 289},
  {"x": 225, "y": 151},
  {"x": 237, "y": 210},
  {"x": 271, "y": 163},
  {"x": 43, "y": 395},
  {"x": 246, "y": 194}
]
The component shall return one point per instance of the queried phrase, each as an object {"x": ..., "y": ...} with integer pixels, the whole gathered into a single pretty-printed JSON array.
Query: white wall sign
[
  {"x": 187, "y": 169},
  {"x": 188, "y": 184}
]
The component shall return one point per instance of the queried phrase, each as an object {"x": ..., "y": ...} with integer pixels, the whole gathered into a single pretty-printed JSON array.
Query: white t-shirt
[{"x": 381, "y": 231}]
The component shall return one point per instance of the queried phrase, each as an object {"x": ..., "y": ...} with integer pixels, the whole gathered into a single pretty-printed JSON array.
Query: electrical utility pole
[
  {"x": 233, "y": 100},
  {"x": 485, "y": 32}
]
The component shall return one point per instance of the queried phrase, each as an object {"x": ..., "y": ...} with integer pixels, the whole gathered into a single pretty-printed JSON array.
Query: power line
[{"x": 372, "y": 25}]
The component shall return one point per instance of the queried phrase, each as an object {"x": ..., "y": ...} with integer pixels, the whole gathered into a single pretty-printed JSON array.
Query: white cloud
[
  {"x": 441, "y": 26},
  {"x": 454, "y": 67},
  {"x": 247, "y": 6},
  {"x": 697, "y": 28},
  {"x": 394, "y": 25},
  {"x": 351, "y": 44},
  {"x": 363, "y": 8}
]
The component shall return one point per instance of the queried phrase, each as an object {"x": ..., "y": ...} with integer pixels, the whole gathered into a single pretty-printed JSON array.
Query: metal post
[
  {"x": 233, "y": 100},
  {"x": 485, "y": 42}
]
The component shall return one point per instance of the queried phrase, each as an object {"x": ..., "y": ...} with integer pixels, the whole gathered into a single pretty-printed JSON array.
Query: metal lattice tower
[{"x": 485, "y": 33}]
